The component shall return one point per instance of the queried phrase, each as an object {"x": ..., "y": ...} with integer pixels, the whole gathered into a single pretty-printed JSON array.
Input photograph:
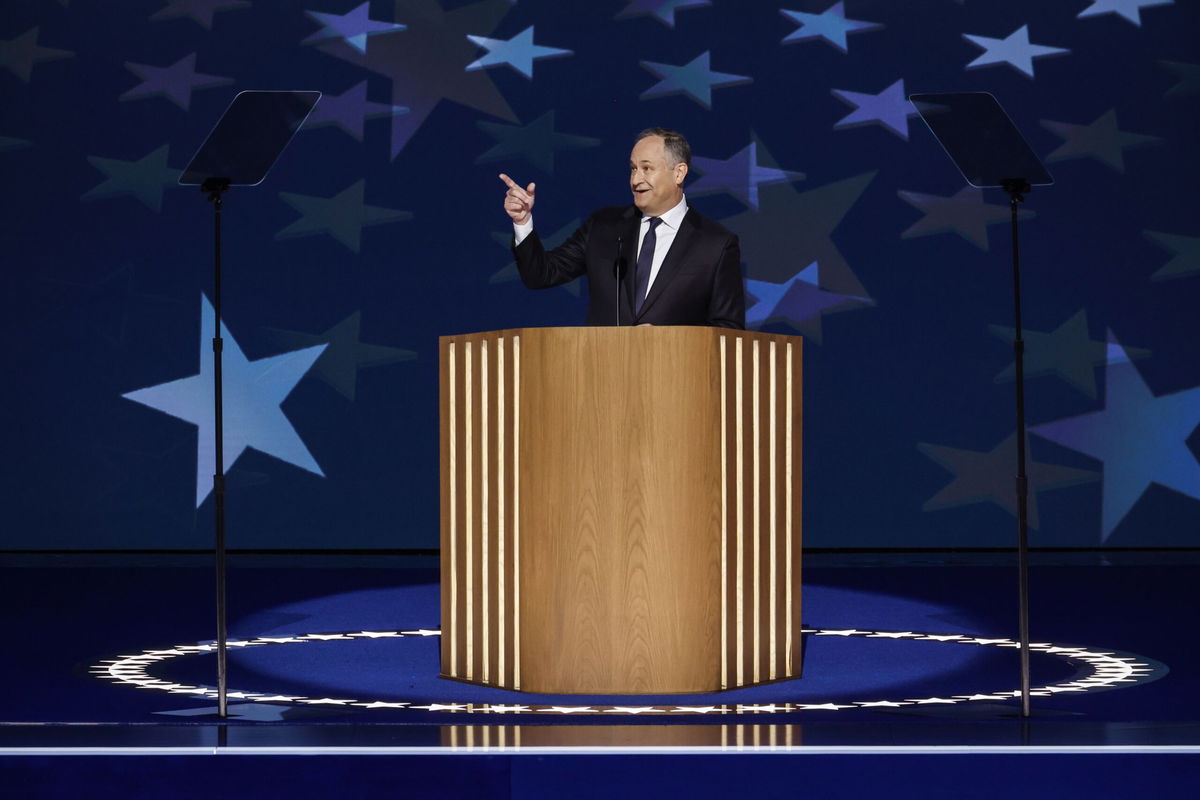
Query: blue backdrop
[{"x": 381, "y": 228}]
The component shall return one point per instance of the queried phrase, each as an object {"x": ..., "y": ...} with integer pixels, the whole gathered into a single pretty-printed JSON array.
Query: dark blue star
[
  {"x": 19, "y": 54},
  {"x": 344, "y": 355},
  {"x": 536, "y": 142},
  {"x": 890, "y": 108},
  {"x": 1128, "y": 9},
  {"x": 1101, "y": 140},
  {"x": 145, "y": 178},
  {"x": 1068, "y": 352},
  {"x": 519, "y": 52},
  {"x": 1140, "y": 437},
  {"x": 740, "y": 175},
  {"x": 342, "y": 216},
  {"x": 201, "y": 11},
  {"x": 349, "y": 111},
  {"x": 1187, "y": 255},
  {"x": 9, "y": 143},
  {"x": 986, "y": 477},
  {"x": 695, "y": 79},
  {"x": 830, "y": 25},
  {"x": 662, "y": 10},
  {"x": 353, "y": 27},
  {"x": 964, "y": 212},
  {"x": 1014, "y": 50},
  {"x": 427, "y": 62},
  {"x": 175, "y": 82},
  {"x": 1189, "y": 78}
]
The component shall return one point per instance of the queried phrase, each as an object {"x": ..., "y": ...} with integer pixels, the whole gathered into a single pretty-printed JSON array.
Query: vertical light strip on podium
[
  {"x": 481, "y": 389},
  {"x": 759, "y": 530}
]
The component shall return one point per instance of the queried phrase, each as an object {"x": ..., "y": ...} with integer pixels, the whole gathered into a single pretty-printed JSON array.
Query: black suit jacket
[{"x": 699, "y": 283}]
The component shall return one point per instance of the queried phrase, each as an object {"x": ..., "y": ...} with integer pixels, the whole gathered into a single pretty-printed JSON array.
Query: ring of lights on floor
[{"x": 1108, "y": 670}]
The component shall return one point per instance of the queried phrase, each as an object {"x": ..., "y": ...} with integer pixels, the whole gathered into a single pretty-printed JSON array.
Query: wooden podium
[{"x": 620, "y": 509}]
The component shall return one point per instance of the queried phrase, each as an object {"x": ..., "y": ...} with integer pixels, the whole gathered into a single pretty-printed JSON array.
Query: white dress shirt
[{"x": 664, "y": 235}]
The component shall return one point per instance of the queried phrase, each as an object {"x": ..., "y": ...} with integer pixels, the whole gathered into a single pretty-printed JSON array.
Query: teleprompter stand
[
  {"x": 239, "y": 151},
  {"x": 990, "y": 152}
]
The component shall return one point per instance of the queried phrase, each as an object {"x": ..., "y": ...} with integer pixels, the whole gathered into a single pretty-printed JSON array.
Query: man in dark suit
[{"x": 676, "y": 266}]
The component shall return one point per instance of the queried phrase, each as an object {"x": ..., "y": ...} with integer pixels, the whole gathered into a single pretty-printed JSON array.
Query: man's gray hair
[{"x": 677, "y": 147}]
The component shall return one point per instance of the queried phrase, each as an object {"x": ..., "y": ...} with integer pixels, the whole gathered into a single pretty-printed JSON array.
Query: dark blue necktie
[{"x": 644, "y": 263}]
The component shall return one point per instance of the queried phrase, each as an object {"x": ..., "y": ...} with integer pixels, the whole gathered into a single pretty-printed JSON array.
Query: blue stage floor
[{"x": 340, "y": 653}]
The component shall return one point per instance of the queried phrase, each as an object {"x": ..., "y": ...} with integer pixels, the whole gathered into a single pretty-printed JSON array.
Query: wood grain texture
[{"x": 617, "y": 509}]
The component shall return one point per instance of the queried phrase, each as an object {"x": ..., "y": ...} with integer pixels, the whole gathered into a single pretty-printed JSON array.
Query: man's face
[{"x": 656, "y": 186}]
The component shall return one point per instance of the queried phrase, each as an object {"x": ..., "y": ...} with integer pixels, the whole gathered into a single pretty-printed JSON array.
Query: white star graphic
[{"x": 253, "y": 393}]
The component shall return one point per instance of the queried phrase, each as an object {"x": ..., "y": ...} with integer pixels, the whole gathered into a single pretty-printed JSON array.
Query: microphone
[{"x": 618, "y": 274}]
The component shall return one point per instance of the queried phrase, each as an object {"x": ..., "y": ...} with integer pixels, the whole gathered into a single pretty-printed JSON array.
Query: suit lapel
[{"x": 671, "y": 264}]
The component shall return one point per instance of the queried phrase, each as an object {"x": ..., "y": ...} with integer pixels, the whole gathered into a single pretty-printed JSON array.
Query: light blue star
[
  {"x": 519, "y": 52},
  {"x": 695, "y": 79},
  {"x": 253, "y": 392},
  {"x": 1129, "y": 9},
  {"x": 890, "y": 108},
  {"x": 1014, "y": 50},
  {"x": 1141, "y": 439},
  {"x": 663, "y": 10},
  {"x": 342, "y": 216},
  {"x": 354, "y": 26},
  {"x": 740, "y": 175},
  {"x": 145, "y": 178},
  {"x": 830, "y": 25}
]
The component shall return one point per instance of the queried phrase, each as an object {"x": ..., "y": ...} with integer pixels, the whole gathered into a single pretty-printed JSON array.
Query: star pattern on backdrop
[
  {"x": 175, "y": 82},
  {"x": 662, "y": 10},
  {"x": 987, "y": 477},
  {"x": 427, "y": 62},
  {"x": 1101, "y": 140},
  {"x": 696, "y": 79},
  {"x": 519, "y": 52},
  {"x": 345, "y": 353},
  {"x": 832, "y": 25},
  {"x": 1141, "y": 438},
  {"x": 145, "y": 178},
  {"x": 10, "y": 143},
  {"x": 1014, "y": 50},
  {"x": 200, "y": 11},
  {"x": 19, "y": 54},
  {"x": 890, "y": 109},
  {"x": 510, "y": 273},
  {"x": 1189, "y": 78},
  {"x": 1068, "y": 352},
  {"x": 773, "y": 243},
  {"x": 349, "y": 111},
  {"x": 965, "y": 212},
  {"x": 1186, "y": 250},
  {"x": 253, "y": 392},
  {"x": 799, "y": 302},
  {"x": 1127, "y": 9},
  {"x": 739, "y": 175},
  {"x": 342, "y": 216},
  {"x": 536, "y": 142},
  {"x": 353, "y": 27}
]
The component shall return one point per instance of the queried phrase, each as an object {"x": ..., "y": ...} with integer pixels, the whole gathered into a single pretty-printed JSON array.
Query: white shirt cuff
[{"x": 521, "y": 231}]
